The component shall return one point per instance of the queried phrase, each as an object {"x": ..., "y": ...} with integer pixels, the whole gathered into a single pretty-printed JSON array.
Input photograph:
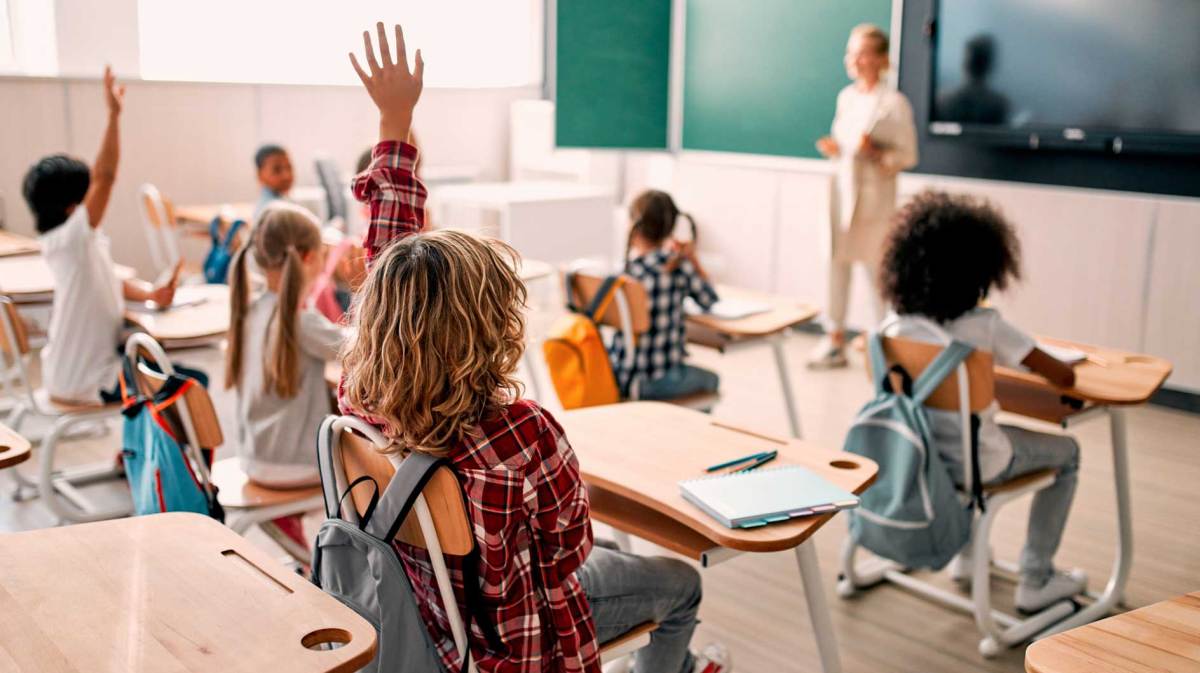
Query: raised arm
[
  {"x": 104, "y": 171},
  {"x": 389, "y": 186}
]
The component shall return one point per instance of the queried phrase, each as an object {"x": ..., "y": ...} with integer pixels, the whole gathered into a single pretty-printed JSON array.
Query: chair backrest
[
  {"x": 14, "y": 338},
  {"x": 586, "y": 285},
  {"x": 158, "y": 221},
  {"x": 330, "y": 178},
  {"x": 915, "y": 356},
  {"x": 197, "y": 414}
]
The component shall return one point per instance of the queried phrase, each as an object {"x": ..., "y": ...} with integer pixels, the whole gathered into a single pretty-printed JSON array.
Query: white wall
[{"x": 196, "y": 141}]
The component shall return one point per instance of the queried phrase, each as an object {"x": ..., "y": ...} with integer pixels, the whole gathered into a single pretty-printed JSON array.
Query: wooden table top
[
  {"x": 785, "y": 312},
  {"x": 1163, "y": 638},
  {"x": 166, "y": 592},
  {"x": 12, "y": 243},
  {"x": 637, "y": 452},
  {"x": 14, "y": 449},
  {"x": 206, "y": 319},
  {"x": 28, "y": 277}
]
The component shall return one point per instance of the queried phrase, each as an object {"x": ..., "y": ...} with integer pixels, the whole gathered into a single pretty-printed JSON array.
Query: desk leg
[
  {"x": 1114, "y": 591},
  {"x": 818, "y": 610},
  {"x": 785, "y": 383}
]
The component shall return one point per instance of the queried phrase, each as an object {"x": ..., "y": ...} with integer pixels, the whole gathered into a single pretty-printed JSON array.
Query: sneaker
[
  {"x": 960, "y": 568},
  {"x": 714, "y": 659},
  {"x": 1061, "y": 585},
  {"x": 827, "y": 355}
]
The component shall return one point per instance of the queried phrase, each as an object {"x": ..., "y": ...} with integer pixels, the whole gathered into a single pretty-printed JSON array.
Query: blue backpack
[
  {"x": 160, "y": 469},
  {"x": 216, "y": 264},
  {"x": 913, "y": 514}
]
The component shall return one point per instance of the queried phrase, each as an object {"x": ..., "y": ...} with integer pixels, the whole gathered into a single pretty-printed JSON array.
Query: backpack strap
[
  {"x": 599, "y": 304},
  {"x": 942, "y": 366},
  {"x": 413, "y": 473},
  {"x": 214, "y": 230},
  {"x": 233, "y": 230},
  {"x": 878, "y": 362}
]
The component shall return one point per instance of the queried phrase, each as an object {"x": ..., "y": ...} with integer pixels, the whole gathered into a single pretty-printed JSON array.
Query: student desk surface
[
  {"x": 12, "y": 243},
  {"x": 1164, "y": 637},
  {"x": 176, "y": 327},
  {"x": 14, "y": 449},
  {"x": 27, "y": 278},
  {"x": 167, "y": 592},
  {"x": 633, "y": 455}
]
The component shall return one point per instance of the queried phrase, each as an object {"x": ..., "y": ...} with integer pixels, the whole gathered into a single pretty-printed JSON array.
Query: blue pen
[
  {"x": 766, "y": 458},
  {"x": 754, "y": 457}
]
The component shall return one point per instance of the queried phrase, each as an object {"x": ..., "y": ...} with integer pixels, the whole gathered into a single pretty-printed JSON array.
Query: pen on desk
[{"x": 737, "y": 461}]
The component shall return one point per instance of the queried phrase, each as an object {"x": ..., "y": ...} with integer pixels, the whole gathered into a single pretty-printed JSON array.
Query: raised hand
[
  {"x": 390, "y": 84},
  {"x": 114, "y": 94}
]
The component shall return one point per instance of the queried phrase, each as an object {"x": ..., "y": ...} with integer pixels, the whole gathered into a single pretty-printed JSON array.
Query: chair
[
  {"x": 58, "y": 488},
  {"x": 630, "y": 315},
  {"x": 158, "y": 222},
  {"x": 245, "y": 502},
  {"x": 440, "y": 525},
  {"x": 972, "y": 389}
]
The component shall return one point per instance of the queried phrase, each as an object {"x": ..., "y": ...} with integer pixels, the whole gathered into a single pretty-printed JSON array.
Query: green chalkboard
[
  {"x": 611, "y": 73},
  {"x": 762, "y": 76}
]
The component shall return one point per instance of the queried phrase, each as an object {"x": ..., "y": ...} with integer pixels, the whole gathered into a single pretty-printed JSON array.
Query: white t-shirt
[
  {"x": 277, "y": 436},
  {"x": 80, "y": 358},
  {"x": 984, "y": 329}
]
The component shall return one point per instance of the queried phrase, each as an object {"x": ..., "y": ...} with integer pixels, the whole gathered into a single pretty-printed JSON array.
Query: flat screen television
[{"x": 1118, "y": 76}]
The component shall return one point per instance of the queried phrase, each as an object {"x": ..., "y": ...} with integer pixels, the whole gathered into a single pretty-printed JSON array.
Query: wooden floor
[{"x": 754, "y": 603}]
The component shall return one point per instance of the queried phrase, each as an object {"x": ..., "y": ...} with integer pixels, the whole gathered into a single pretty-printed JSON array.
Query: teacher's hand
[
  {"x": 868, "y": 150},
  {"x": 828, "y": 147}
]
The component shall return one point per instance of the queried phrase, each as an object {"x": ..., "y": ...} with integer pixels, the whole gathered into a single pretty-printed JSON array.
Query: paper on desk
[
  {"x": 729, "y": 309},
  {"x": 184, "y": 296},
  {"x": 1062, "y": 353}
]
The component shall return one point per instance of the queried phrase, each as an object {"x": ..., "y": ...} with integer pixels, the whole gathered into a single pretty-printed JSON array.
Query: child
[
  {"x": 670, "y": 272},
  {"x": 81, "y": 360},
  {"x": 274, "y": 175},
  {"x": 945, "y": 255},
  {"x": 440, "y": 332},
  {"x": 277, "y": 352}
]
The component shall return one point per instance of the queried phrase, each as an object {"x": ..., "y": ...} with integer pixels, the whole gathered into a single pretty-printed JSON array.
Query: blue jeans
[
  {"x": 626, "y": 590},
  {"x": 678, "y": 382}
]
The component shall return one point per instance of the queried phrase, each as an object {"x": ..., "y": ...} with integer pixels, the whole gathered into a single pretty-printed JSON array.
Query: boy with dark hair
[
  {"x": 274, "y": 175},
  {"x": 68, "y": 200}
]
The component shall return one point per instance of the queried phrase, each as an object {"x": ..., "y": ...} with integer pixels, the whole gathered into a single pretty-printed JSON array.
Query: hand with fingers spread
[
  {"x": 391, "y": 85},
  {"x": 114, "y": 94}
]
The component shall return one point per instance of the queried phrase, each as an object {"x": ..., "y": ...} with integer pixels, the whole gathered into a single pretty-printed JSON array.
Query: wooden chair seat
[
  {"x": 635, "y": 638},
  {"x": 1019, "y": 483},
  {"x": 45, "y": 401},
  {"x": 237, "y": 491},
  {"x": 698, "y": 401}
]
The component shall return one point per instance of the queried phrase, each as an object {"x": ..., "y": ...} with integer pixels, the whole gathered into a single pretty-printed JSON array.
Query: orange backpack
[{"x": 575, "y": 352}]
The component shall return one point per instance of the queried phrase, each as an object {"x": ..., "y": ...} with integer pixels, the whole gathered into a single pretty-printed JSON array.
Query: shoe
[
  {"x": 715, "y": 658},
  {"x": 827, "y": 355},
  {"x": 1061, "y": 585}
]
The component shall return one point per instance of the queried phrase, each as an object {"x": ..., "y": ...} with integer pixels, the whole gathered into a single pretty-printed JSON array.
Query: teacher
[{"x": 873, "y": 139}]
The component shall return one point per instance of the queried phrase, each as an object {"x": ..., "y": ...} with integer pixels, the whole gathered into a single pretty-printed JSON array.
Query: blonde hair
[
  {"x": 440, "y": 332},
  {"x": 281, "y": 235},
  {"x": 870, "y": 30}
]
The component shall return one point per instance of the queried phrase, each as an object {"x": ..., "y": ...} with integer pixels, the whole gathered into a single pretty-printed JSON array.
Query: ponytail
[
  {"x": 282, "y": 361},
  {"x": 239, "y": 290}
]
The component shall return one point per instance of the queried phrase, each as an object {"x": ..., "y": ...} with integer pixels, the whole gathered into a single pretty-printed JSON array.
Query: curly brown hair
[
  {"x": 945, "y": 254},
  {"x": 440, "y": 333}
]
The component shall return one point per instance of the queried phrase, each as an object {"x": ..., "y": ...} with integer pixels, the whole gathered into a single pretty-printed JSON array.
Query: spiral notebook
[{"x": 760, "y": 497}]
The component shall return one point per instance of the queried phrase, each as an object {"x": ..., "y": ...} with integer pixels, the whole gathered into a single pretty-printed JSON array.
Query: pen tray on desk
[{"x": 769, "y": 495}]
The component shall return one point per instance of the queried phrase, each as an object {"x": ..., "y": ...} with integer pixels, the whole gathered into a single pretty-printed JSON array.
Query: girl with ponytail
[
  {"x": 670, "y": 271},
  {"x": 277, "y": 352}
]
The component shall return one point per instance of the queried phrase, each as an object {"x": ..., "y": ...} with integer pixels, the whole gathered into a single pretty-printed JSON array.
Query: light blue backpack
[{"x": 912, "y": 514}]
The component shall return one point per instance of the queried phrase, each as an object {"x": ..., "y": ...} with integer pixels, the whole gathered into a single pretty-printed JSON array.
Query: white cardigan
[{"x": 864, "y": 194}]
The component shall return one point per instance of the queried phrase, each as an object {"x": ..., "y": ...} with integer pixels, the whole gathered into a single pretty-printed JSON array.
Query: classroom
[{"x": 634, "y": 336}]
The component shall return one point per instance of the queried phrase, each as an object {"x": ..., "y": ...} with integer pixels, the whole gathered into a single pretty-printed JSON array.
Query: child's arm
[
  {"x": 389, "y": 185},
  {"x": 139, "y": 290},
  {"x": 699, "y": 289},
  {"x": 1056, "y": 371},
  {"x": 104, "y": 172}
]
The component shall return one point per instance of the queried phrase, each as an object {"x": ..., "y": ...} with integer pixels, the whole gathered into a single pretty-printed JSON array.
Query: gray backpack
[
  {"x": 913, "y": 514},
  {"x": 356, "y": 564}
]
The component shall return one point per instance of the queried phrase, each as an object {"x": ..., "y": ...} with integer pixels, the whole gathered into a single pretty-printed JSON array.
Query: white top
[
  {"x": 277, "y": 436},
  {"x": 80, "y": 358},
  {"x": 984, "y": 329},
  {"x": 865, "y": 194}
]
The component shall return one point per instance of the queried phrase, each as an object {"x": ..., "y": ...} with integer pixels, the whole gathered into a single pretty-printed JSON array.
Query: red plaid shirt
[{"x": 523, "y": 493}]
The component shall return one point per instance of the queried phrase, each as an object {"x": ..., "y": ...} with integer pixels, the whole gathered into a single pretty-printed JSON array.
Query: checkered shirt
[{"x": 663, "y": 347}]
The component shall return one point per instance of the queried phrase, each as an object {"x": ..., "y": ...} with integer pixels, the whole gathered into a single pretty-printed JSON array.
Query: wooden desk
[
  {"x": 1163, "y": 637},
  {"x": 187, "y": 325},
  {"x": 14, "y": 449},
  {"x": 12, "y": 243},
  {"x": 633, "y": 455},
  {"x": 167, "y": 592},
  {"x": 770, "y": 327},
  {"x": 27, "y": 278}
]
